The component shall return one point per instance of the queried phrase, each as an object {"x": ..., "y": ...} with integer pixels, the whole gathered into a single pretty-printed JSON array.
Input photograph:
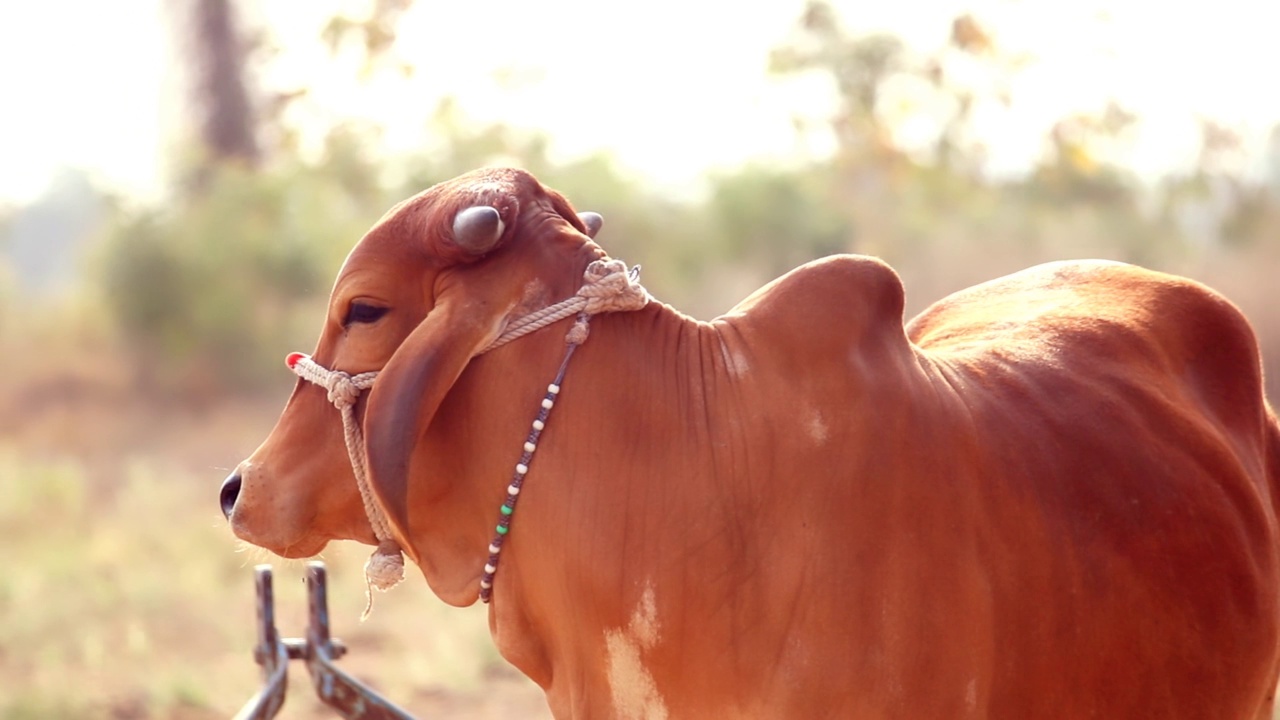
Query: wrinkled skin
[{"x": 1052, "y": 495}]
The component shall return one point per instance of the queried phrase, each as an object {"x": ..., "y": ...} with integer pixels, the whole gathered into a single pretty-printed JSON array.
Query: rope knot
[
  {"x": 383, "y": 570},
  {"x": 385, "y": 567},
  {"x": 578, "y": 332},
  {"x": 609, "y": 287},
  {"x": 342, "y": 392}
]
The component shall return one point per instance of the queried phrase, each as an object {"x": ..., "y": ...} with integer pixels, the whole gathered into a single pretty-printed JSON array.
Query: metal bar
[
  {"x": 319, "y": 650},
  {"x": 270, "y": 653},
  {"x": 335, "y": 688}
]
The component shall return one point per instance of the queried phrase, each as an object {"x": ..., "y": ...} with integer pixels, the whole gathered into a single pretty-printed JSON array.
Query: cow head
[{"x": 430, "y": 285}]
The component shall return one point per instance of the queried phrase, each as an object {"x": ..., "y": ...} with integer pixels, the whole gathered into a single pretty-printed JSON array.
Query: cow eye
[{"x": 364, "y": 313}]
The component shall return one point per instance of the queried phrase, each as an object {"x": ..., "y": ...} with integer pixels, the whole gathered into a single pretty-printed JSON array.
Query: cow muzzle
[{"x": 289, "y": 524}]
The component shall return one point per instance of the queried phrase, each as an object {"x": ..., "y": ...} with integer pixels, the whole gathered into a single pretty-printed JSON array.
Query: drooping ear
[
  {"x": 593, "y": 220},
  {"x": 409, "y": 390}
]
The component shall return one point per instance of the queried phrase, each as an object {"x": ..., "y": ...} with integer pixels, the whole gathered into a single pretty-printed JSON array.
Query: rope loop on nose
[{"x": 385, "y": 568}]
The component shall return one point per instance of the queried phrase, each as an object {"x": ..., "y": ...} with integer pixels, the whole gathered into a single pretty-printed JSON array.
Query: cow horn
[
  {"x": 593, "y": 220},
  {"x": 478, "y": 228}
]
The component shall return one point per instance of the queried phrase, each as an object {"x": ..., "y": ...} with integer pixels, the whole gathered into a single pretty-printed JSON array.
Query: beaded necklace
[{"x": 522, "y": 466}]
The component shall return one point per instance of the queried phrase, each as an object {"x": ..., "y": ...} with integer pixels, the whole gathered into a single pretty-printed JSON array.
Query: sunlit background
[{"x": 179, "y": 181}]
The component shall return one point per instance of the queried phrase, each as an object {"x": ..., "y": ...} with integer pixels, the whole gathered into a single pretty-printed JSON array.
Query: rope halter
[{"x": 608, "y": 286}]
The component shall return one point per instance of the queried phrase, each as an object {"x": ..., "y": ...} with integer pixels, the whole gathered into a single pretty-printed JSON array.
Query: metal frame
[{"x": 346, "y": 695}]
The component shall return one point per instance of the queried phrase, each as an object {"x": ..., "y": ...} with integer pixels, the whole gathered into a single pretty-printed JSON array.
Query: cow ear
[
  {"x": 407, "y": 394},
  {"x": 593, "y": 220}
]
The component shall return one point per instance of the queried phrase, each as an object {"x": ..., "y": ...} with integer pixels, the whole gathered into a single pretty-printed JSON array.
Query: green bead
[
  {"x": 506, "y": 510},
  {"x": 502, "y": 530}
]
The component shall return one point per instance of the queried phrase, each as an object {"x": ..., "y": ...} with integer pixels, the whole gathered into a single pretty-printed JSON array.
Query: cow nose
[{"x": 230, "y": 491}]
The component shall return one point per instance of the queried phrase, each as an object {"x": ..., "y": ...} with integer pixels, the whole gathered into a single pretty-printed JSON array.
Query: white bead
[
  {"x": 486, "y": 584},
  {"x": 529, "y": 447},
  {"x": 538, "y": 425},
  {"x": 490, "y": 569},
  {"x": 494, "y": 549},
  {"x": 513, "y": 490},
  {"x": 522, "y": 468},
  {"x": 546, "y": 403},
  {"x": 553, "y": 388}
]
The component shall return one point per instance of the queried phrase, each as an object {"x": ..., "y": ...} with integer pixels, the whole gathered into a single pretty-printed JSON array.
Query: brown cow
[{"x": 1049, "y": 496}]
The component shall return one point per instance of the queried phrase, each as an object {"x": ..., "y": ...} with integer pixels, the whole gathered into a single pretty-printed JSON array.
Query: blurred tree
[
  {"x": 45, "y": 238},
  {"x": 1217, "y": 204},
  {"x": 943, "y": 86},
  {"x": 1246, "y": 209},
  {"x": 859, "y": 66},
  {"x": 8, "y": 294},
  {"x": 916, "y": 205},
  {"x": 894, "y": 196},
  {"x": 210, "y": 287},
  {"x": 222, "y": 87},
  {"x": 457, "y": 145},
  {"x": 1079, "y": 166},
  {"x": 209, "y": 293},
  {"x": 1221, "y": 149},
  {"x": 868, "y": 164},
  {"x": 777, "y": 218},
  {"x": 375, "y": 33},
  {"x": 1272, "y": 169},
  {"x": 7, "y": 212},
  {"x": 970, "y": 46}
]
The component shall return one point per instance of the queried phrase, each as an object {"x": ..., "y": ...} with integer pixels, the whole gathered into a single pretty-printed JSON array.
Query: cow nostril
[{"x": 230, "y": 491}]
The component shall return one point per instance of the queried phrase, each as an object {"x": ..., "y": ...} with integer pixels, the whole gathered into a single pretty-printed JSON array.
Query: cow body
[
  {"x": 1048, "y": 496},
  {"x": 1035, "y": 514}
]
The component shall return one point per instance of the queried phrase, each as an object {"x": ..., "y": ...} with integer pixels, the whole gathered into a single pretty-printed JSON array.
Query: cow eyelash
[{"x": 363, "y": 313}]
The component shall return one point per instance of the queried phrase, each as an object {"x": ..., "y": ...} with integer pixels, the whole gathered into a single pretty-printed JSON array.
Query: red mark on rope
[{"x": 292, "y": 359}]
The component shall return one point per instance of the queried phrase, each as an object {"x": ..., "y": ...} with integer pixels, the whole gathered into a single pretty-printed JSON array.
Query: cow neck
[{"x": 607, "y": 286}]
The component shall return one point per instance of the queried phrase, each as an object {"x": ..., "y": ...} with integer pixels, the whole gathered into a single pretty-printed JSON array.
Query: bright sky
[{"x": 672, "y": 87}]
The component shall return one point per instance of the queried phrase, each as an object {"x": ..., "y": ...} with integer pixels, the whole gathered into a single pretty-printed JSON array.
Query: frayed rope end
[{"x": 383, "y": 570}]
